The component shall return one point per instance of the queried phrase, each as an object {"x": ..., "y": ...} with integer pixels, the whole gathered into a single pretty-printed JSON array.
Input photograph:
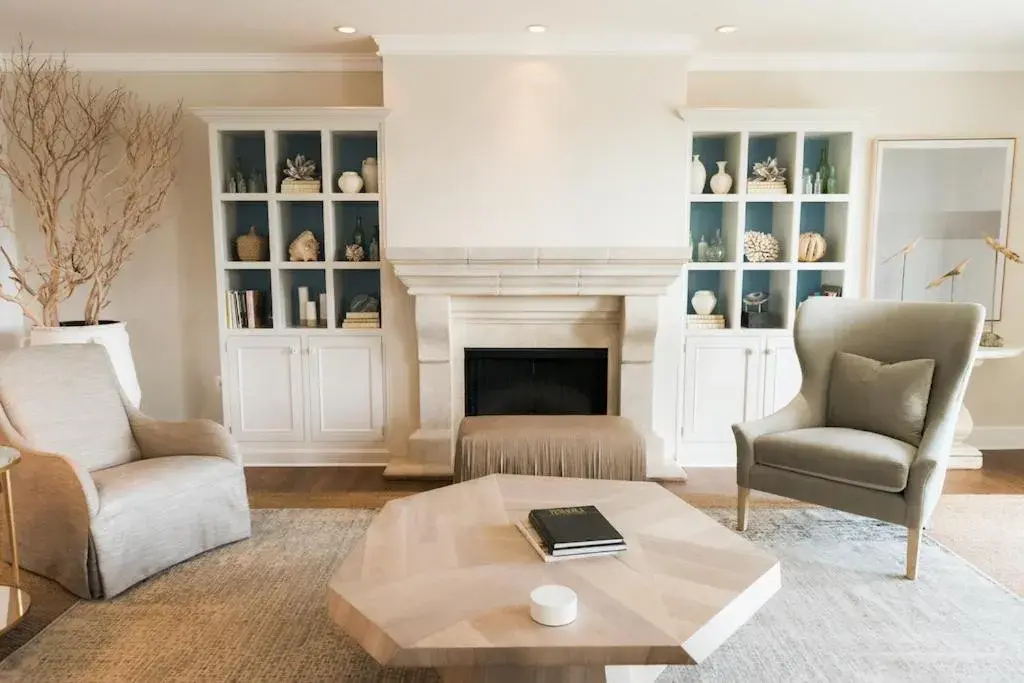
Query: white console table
[{"x": 963, "y": 455}]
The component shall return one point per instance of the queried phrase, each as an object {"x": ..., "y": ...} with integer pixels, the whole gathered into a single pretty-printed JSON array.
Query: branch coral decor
[
  {"x": 94, "y": 166},
  {"x": 768, "y": 177},
  {"x": 760, "y": 247},
  {"x": 301, "y": 176}
]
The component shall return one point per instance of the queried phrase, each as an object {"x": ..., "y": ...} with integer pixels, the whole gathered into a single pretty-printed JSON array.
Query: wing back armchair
[
  {"x": 106, "y": 496},
  {"x": 795, "y": 453}
]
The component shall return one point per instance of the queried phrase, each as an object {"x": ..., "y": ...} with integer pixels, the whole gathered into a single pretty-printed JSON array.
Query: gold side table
[{"x": 14, "y": 602}]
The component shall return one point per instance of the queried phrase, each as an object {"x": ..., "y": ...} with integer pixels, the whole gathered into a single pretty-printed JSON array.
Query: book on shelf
[
  {"x": 579, "y": 526},
  {"x": 705, "y": 322},
  {"x": 362, "y": 315},
  {"x": 244, "y": 308},
  {"x": 537, "y": 544},
  {"x": 357, "y": 325}
]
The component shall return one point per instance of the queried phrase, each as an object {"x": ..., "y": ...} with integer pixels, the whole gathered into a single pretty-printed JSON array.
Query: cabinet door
[
  {"x": 720, "y": 386},
  {"x": 346, "y": 389},
  {"x": 265, "y": 388},
  {"x": 782, "y": 376}
]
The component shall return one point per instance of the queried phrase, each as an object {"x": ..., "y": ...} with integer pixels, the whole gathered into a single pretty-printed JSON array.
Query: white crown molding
[
  {"x": 272, "y": 116},
  {"x": 515, "y": 271},
  {"x": 217, "y": 62},
  {"x": 854, "y": 61},
  {"x": 534, "y": 44}
]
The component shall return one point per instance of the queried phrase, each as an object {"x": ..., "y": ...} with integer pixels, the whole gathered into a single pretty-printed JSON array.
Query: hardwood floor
[{"x": 290, "y": 487}]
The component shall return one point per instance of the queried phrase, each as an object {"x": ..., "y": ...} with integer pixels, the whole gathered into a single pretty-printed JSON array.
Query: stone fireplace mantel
[{"x": 525, "y": 297}]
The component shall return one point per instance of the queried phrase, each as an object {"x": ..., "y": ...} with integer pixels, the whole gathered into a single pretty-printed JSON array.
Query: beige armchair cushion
[
  {"x": 886, "y": 398},
  {"x": 849, "y": 456},
  {"x": 65, "y": 399}
]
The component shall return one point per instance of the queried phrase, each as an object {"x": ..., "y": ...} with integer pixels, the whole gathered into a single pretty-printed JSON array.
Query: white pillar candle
[
  {"x": 304, "y": 304},
  {"x": 323, "y": 309},
  {"x": 311, "y": 313},
  {"x": 553, "y": 605}
]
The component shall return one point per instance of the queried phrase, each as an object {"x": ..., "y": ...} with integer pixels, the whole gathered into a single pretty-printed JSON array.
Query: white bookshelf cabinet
[
  {"x": 735, "y": 374},
  {"x": 292, "y": 393}
]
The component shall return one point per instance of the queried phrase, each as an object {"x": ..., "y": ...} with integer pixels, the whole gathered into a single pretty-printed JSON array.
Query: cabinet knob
[
  {"x": 292, "y": 350},
  {"x": 768, "y": 352},
  {"x": 750, "y": 352}
]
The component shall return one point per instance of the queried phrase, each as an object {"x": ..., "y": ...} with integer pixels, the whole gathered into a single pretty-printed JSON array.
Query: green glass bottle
[{"x": 823, "y": 169}]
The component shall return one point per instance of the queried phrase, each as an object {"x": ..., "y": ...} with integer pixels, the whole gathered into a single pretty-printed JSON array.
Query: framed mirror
[{"x": 935, "y": 202}]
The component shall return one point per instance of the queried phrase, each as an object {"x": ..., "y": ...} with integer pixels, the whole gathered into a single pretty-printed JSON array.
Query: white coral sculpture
[
  {"x": 760, "y": 247},
  {"x": 769, "y": 171},
  {"x": 300, "y": 168}
]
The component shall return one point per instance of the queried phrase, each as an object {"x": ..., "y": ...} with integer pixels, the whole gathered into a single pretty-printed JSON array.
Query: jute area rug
[{"x": 255, "y": 611}]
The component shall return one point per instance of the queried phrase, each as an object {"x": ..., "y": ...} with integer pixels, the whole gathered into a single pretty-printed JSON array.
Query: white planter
[{"x": 113, "y": 336}]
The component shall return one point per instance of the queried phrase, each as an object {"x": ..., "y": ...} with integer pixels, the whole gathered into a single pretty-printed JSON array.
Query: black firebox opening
[{"x": 536, "y": 382}]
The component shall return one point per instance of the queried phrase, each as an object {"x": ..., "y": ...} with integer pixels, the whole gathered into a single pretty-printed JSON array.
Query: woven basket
[
  {"x": 251, "y": 247},
  {"x": 293, "y": 186}
]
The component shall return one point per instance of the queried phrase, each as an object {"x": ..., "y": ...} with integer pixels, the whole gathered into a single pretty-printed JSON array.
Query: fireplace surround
[{"x": 527, "y": 298}]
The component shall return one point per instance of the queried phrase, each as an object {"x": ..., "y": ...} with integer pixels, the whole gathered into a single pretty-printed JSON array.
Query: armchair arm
[
  {"x": 797, "y": 414},
  {"x": 928, "y": 473},
  {"x": 55, "y": 500},
  {"x": 158, "y": 438}
]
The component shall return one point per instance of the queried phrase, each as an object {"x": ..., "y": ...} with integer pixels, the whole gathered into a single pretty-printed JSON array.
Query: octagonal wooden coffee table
[{"x": 442, "y": 579}]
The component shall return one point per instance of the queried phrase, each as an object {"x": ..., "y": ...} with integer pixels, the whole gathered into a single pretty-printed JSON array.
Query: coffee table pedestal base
[{"x": 551, "y": 674}]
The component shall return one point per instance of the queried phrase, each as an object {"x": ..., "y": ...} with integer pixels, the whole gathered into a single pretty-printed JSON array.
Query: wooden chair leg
[
  {"x": 741, "y": 508},
  {"x": 913, "y": 552}
]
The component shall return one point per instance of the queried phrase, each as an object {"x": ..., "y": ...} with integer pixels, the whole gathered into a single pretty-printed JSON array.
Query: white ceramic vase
[
  {"x": 369, "y": 174},
  {"x": 698, "y": 175},
  {"x": 704, "y": 302},
  {"x": 350, "y": 183},
  {"x": 721, "y": 182},
  {"x": 112, "y": 335}
]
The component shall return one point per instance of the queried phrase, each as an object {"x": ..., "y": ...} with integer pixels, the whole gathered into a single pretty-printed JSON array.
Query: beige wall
[
  {"x": 166, "y": 293},
  {"x": 916, "y": 105}
]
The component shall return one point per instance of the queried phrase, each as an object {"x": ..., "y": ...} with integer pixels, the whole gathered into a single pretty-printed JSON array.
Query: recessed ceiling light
[
  {"x": 536, "y": 28},
  {"x": 728, "y": 28},
  {"x": 345, "y": 29}
]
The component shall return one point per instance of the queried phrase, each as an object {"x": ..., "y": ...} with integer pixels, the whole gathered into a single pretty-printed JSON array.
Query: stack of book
[
  {"x": 571, "y": 533},
  {"x": 705, "y": 322},
  {"x": 245, "y": 308},
  {"x": 366, "y": 320}
]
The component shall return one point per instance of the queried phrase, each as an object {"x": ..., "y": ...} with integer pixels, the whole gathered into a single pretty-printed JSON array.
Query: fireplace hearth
[{"x": 524, "y": 381}]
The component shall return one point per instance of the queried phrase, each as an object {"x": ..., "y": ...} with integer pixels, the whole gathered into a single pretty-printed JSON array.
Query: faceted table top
[{"x": 443, "y": 579}]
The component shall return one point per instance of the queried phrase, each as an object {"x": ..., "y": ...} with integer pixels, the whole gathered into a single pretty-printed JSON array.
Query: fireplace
[
  {"x": 547, "y": 301},
  {"x": 524, "y": 381}
]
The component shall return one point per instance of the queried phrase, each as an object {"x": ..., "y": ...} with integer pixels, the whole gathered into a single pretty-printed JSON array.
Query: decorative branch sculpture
[{"x": 95, "y": 166}]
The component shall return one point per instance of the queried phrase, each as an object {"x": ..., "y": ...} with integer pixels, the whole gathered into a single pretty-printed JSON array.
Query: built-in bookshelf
[
  {"x": 301, "y": 341},
  {"x": 264, "y": 208},
  {"x": 798, "y": 144}
]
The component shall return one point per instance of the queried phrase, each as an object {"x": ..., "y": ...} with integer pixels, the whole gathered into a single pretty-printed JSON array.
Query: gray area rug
[{"x": 255, "y": 611}]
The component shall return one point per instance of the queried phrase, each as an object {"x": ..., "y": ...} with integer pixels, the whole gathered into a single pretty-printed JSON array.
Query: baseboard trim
[
  {"x": 997, "y": 438},
  {"x": 353, "y": 457}
]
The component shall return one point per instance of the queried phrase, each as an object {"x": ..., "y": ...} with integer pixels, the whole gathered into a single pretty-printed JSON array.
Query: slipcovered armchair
[
  {"x": 800, "y": 453},
  {"x": 104, "y": 496}
]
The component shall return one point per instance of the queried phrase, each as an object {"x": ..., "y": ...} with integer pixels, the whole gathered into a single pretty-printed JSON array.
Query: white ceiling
[{"x": 305, "y": 26}]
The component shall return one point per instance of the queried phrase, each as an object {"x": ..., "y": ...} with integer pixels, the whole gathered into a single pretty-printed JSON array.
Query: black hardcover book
[{"x": 573, "y": 527}]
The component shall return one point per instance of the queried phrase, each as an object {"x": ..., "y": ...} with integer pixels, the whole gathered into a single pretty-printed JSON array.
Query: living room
[{"x": 404, "y": 272}]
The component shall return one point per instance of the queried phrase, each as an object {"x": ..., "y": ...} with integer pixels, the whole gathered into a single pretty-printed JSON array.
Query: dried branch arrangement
[{"x": 95, "y": 166}]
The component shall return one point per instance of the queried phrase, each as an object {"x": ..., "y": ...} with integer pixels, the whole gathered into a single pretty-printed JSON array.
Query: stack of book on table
[
  {"x": 361, "y": 320},
  {"x": 705, "y": 322},
  {"x": 571, "y": 533}
]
